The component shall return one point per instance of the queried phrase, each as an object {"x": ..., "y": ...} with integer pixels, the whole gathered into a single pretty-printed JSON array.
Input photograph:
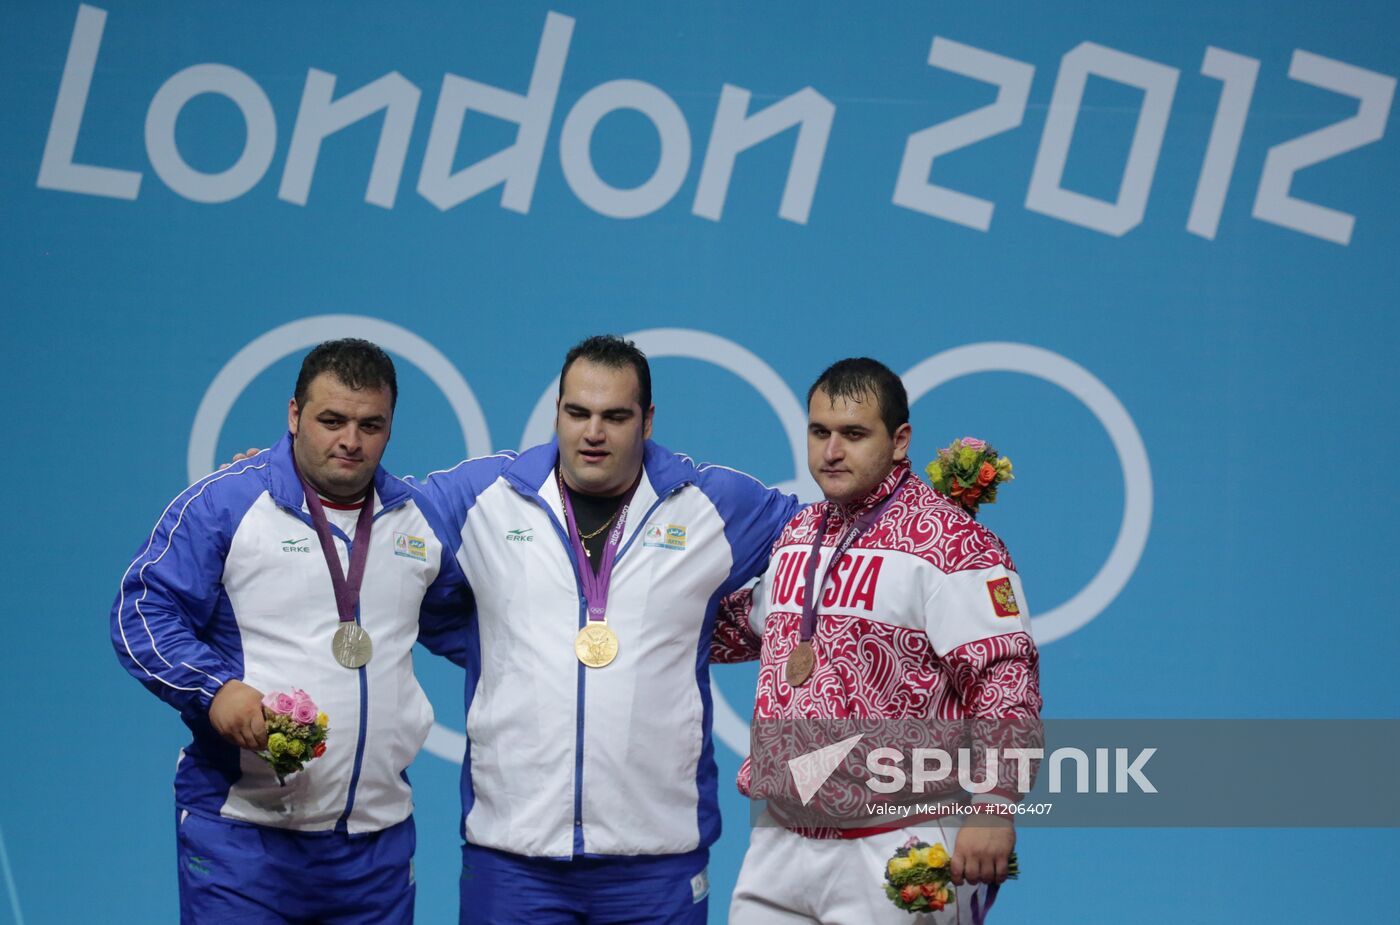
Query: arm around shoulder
[
  {"x": 734, "y": 640},
  {"x": 754, "y": 517}
]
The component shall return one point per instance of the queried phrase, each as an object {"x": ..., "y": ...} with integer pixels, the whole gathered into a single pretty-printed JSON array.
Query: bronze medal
[
  {"x": 596, "y": 644},
  {"x": 800, "y": 664},
  {"x": 351, "y": 645}
]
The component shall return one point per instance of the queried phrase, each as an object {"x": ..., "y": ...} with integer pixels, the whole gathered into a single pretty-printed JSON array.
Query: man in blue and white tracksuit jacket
[
  {"x": 232, "y": 586},
  {"x": 610, "y": 770}
]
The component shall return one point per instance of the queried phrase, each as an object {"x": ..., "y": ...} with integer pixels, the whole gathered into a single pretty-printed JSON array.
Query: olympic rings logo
[{"x": 924, "y": 377}]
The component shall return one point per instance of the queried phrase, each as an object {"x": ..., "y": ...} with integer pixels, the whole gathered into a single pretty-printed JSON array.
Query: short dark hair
[
  {"x": 856, "y": 377},
  {"x": 614, "y": 352},
  {"x": 355, "y": 362}
]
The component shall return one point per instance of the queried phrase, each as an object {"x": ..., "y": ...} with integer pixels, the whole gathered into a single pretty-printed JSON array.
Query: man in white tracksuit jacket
[
  {"x": 231, "y": 597},
  {"x": 589, "y": 790}
]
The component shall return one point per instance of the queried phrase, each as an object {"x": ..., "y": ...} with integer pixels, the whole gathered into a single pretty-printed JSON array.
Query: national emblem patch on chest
[
  {"x": 669, "y": 536},
  {"x": 410, "y": 547},
  {"x": 1003, "y": 597}
]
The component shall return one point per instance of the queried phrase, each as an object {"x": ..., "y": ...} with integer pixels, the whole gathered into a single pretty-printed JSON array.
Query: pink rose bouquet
[{"x": 296, "y": 732}]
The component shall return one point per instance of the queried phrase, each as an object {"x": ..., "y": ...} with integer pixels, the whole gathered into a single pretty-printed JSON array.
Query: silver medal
[{"x": 351, "y": 645}]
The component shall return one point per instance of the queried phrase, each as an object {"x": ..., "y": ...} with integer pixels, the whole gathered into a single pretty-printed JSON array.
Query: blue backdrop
[{"x": 1141, "y": 248}]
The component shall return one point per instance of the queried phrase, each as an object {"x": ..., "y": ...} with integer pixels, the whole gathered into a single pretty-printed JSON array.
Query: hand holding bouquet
[
  {"x": 296, "y": 732},
  {"x": 917, "y": 878},
  {"x": 968, "y": 471}
]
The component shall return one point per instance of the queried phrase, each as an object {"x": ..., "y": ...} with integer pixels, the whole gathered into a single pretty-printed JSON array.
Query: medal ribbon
[
  {"x": 861, "y": 524},
  {"x": 595, "y": 587},
  {"x": 347, "y": 588},
  {"x": 980, "y": 911}
]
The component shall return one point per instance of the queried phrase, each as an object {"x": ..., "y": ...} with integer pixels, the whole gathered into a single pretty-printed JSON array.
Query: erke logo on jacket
[
  {"x": 523, "y": 535},
  {"x": 296, "y": 545}
]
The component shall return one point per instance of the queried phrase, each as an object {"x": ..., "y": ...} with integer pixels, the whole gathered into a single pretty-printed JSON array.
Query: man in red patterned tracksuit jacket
[{"x": 920, "y": 620}]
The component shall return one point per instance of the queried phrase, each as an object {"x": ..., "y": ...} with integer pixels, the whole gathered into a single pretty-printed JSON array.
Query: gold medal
[
  {"x": 351, "y": 645},
  {"x": 596, "y": 644},
  {"x": 800, "y": 664}
]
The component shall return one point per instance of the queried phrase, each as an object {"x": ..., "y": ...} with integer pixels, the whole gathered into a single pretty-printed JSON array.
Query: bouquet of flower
[
  {"x": 969, "y": 471},
  {"x": 917, "y": 878},
  {"x": 296, "y": 732}
]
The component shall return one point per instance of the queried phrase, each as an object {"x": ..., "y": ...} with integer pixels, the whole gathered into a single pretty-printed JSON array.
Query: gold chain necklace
[
  {"x": 589, "y": 536},
  {"x": 584, "y": 537}
]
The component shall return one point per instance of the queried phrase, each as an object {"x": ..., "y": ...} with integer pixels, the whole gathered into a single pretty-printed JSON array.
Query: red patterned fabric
[
  {"x": 866, "y": 667},
  {"x": 920, "y": 521},
  {"x": 733, "y": 641}
]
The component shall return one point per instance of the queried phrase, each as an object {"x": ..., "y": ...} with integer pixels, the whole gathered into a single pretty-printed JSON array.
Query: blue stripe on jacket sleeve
[
  {"x": 754, "y": 516},
  {"x": 163, "y": 620},
  {"x": 451, "y": 493},
  {"x": 447, "y": 609}
]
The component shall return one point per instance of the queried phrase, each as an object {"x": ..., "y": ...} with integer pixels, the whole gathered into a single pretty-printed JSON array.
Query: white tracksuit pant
[{"x": 788, "y": 879}]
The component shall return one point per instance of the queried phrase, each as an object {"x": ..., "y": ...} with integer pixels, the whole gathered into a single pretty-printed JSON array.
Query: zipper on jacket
[
  {"x": 562, "y": 533},
  {"x": 343, "y": 823},
  {"x": 578, "y": 845}
]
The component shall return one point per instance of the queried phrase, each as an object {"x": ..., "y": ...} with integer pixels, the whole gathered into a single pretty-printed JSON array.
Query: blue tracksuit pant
[
  {"x": 506, "y": 889},
  {"x": 236, "y": 872}
]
